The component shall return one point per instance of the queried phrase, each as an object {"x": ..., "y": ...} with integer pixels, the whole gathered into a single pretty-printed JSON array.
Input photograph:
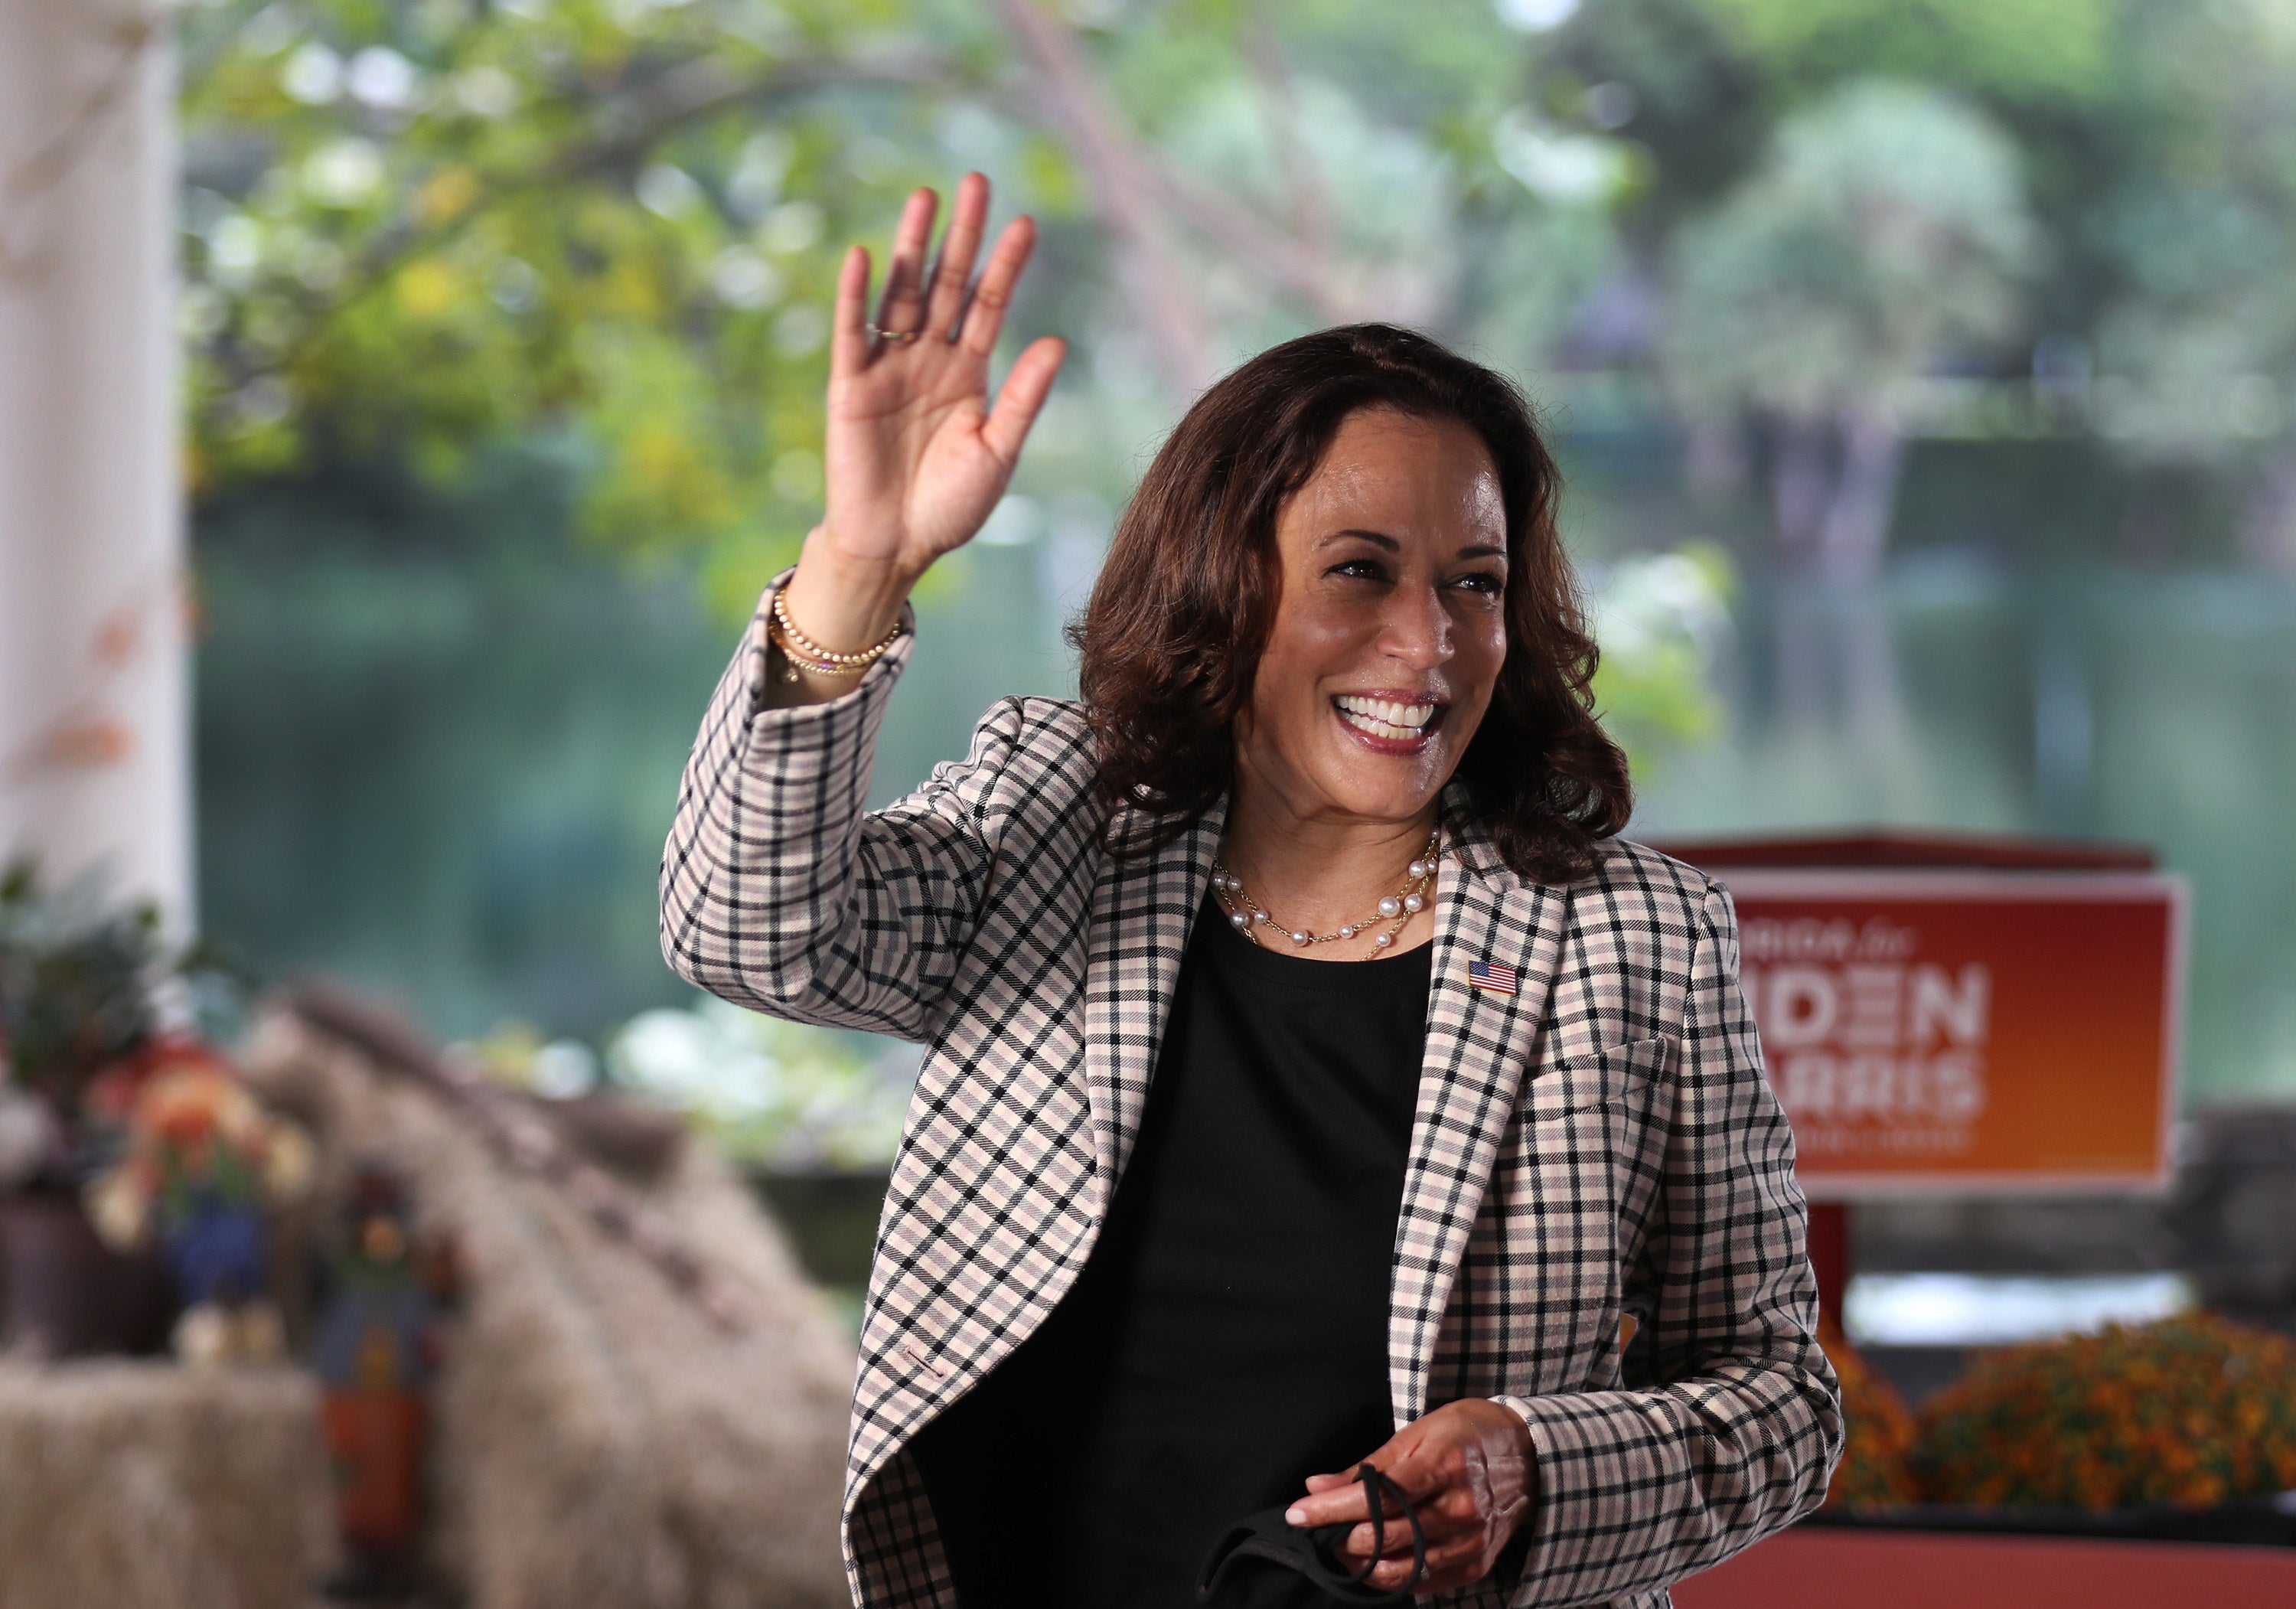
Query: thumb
[{"x": 1024, "y": 391}]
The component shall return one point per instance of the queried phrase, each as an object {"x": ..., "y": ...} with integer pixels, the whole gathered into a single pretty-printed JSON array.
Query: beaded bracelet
[{"x": 799, "y": 649}]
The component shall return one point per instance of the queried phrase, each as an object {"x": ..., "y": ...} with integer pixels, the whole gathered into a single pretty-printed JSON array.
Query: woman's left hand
[{"x": 1473, "y": 1478}]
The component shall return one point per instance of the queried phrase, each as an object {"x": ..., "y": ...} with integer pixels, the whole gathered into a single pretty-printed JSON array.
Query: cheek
[
  {"x": 1283, "y": 696},
  {"x": 1483, "y": 650},
  {"x": 1311, "y": 640}
]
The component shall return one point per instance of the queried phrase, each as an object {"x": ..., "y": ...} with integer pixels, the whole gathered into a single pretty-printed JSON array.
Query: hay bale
[
  {"x": 602, "y": 1440},
  {"x": 145, "y": 1485}
]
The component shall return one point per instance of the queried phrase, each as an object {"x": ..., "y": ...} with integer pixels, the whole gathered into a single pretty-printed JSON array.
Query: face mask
[{"x": 1260, "y": 1541}]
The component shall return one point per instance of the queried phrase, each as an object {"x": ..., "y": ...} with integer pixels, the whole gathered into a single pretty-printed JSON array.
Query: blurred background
[
  {"x": 1924, "y": 372},
  {"x": 1921, "y": 372}
]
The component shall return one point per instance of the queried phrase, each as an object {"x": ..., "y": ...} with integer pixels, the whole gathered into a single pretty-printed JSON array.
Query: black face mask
[{"x": 1262, "y": 1541}]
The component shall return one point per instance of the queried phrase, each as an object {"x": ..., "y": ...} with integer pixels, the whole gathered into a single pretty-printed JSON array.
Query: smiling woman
[
  {"x": 1374, "y": 525},
  {"x": 1208, "y": 1266}
]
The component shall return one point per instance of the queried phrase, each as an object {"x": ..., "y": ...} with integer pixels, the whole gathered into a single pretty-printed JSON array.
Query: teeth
[{"x": 1385, "y": 718}]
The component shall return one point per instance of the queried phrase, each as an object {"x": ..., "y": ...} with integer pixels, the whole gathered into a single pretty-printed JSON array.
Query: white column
[{"x": 94, "y": 750}]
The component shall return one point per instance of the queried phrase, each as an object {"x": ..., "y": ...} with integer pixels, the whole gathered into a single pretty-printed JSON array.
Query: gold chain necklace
[{"x": 1248, "y": 916}]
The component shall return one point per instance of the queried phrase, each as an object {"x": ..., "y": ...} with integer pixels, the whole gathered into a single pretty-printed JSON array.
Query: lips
[{"x": 1394, "y": 723}]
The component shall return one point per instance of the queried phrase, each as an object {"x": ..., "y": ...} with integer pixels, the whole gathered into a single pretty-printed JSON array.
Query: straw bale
[
  {"x": 146, "y": 1485},
  {"x": 601, "y": 1440}
]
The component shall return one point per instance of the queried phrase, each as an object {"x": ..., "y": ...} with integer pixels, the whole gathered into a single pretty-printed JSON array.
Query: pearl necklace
[{"x": 1248, "y": 916}]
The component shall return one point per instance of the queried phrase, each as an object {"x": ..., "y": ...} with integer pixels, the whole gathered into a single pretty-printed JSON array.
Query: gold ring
[{"x": 892, "y": 334}]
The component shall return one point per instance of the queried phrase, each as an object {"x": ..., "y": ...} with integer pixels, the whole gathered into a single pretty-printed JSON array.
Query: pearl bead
[
  {"x": 1239, "y": 920},
  {"x": 1346, "y": 932},
  {"x": 1413, "y": 902},
  {"x": 1390, "y": 906},
  {"x": 1265, "y": 917},
  {"x": 1384, "y": 939},
  {"x": 1418, "y": 869},
  {"x": 1299, "y": 938}
]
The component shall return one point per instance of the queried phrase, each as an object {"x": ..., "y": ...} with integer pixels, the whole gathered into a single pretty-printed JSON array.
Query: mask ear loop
[{"x": 1376, "y": 1486}]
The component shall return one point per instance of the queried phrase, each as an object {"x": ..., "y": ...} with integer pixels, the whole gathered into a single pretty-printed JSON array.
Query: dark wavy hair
[{"x": 1173, "y": 634}]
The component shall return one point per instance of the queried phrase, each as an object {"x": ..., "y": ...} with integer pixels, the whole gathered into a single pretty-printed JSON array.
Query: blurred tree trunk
[
  {"x": 1855, "y": 535},
  {"x": 2268, "y": 527},
  {"x": 1833, "y": 491}
]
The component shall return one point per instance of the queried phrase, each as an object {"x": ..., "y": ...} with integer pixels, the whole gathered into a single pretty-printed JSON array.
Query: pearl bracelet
[{"x": 800, "y": 650}]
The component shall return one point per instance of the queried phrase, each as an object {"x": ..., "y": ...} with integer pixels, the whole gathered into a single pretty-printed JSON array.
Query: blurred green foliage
[
  {"x": 76, "y": 982},
  {"x": 416, "y": 227},
  {"x": 1661, "y": 619},
  {"x": 87, "y": 981},
  {"x": 421, "y": 229},
  {"x": 1899, "y": 349},
  {"x": 773, "y": 1093},
  {"x": 2038, "y": 49}
]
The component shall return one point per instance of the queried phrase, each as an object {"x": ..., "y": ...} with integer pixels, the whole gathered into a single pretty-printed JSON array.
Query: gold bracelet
[
  {"x": 799, "y": 649},
  {"x": 791, "y": 659}
]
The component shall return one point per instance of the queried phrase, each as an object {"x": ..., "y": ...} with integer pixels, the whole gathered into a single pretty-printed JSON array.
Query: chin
[{"x": 1352, "y": 788}]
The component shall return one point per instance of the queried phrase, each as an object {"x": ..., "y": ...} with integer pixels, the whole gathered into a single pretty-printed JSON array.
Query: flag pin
[{"x": 1489, "y": 974}]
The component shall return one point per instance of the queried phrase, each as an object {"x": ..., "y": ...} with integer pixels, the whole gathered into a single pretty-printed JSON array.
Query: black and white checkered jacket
[{"x": 1601, "y": 1143}]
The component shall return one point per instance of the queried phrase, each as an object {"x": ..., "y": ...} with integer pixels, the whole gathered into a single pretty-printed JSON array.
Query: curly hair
[{"x": 1172, "y": 637}]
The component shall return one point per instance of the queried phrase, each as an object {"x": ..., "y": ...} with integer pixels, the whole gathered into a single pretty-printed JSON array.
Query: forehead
[{"x": 1403, "y": 476}]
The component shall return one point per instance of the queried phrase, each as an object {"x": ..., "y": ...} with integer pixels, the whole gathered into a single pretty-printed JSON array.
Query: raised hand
[{"x": 917, "y": 457}]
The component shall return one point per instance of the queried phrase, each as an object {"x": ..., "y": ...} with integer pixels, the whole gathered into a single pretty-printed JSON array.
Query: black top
[{"x": 1228, "y": 1335}]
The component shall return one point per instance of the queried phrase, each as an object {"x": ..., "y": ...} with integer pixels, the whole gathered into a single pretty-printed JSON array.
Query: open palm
[{"x": 917, "y": 457}]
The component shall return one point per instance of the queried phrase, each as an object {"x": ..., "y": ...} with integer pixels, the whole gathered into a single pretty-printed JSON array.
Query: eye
[
  {"x": 1485, "y": 583},
  {"x": 1360, "y": 570}
]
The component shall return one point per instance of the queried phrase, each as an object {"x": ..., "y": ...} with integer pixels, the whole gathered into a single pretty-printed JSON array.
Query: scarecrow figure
[
  {"x": 203, "y": 1165},
  {"x": 375, "y": 1349}
]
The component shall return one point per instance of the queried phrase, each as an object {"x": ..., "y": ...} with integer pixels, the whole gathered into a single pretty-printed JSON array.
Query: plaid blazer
[{"x": 1601, "y": 1143}]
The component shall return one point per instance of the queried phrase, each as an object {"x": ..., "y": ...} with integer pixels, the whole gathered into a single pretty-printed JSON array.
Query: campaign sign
[{"x": 1967, "y": 1030}]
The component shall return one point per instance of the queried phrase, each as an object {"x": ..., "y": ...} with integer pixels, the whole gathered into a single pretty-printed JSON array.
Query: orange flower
[{"x": 2190, "y": 1411}]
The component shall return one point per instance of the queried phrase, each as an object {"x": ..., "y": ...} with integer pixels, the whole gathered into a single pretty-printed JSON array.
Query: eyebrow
[{"x": 1380, "y": 540}]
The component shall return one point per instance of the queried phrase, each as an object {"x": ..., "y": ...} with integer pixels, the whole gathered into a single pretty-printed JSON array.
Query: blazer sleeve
[
  {"x": 781, "y": 893},
  {"x": 1740, "y": 1425}
]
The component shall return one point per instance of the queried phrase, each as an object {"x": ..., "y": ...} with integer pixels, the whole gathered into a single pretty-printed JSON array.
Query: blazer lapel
[
  {"x": 1479, "y": 1042},
  {"x": 1142, "y": 908}
]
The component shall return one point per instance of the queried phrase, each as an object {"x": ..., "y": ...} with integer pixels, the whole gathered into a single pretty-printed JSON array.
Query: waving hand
[{"x": 917, "y": 457}]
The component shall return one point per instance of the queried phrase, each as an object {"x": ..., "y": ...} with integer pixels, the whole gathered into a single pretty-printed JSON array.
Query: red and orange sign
[{"x": 1967, "y": 1030}]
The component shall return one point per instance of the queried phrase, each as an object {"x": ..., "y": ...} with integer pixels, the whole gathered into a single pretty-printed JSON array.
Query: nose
[{"x": 1415, "y": 628}]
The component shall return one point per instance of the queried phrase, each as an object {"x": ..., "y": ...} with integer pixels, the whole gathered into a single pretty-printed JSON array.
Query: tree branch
[
  {"x": 1125, "y": 185},
  {"x": 1311, "y": 211}
]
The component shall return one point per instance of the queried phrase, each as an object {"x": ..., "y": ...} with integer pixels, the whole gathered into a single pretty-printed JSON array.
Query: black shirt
[{"x": 1228, "y": 1335}]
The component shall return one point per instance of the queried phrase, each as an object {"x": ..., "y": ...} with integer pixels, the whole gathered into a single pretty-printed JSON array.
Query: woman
[{"x": 1313, "y": 1077}]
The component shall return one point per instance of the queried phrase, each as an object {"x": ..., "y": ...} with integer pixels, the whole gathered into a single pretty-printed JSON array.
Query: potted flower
[
  {"x": 2188, "y": 1415},
  {"x": 81, "y": 1034},
  {"x": 2180, "y": 1430}
]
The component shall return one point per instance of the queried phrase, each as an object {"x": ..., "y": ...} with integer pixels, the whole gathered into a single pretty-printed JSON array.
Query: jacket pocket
[{"x": 1599, "y": 1080}]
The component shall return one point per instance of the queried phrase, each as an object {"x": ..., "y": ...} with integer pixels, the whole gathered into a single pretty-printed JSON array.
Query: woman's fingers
[
  {"x": 1437, "y": 1527},
  {"x": 1023, "y": 396},
  {"x": 848, "y": 335},
  {"x": 1336, "y": 1500},
  {"x": 903, "y": 306},
  {"x": 1448, "y": 1568},
  {"x": 986, "y": 316},
  {"x": 953, "y": 270}
]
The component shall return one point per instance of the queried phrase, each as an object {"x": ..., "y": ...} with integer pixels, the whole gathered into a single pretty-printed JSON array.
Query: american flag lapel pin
[{"x": 1491, "y": 976}]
